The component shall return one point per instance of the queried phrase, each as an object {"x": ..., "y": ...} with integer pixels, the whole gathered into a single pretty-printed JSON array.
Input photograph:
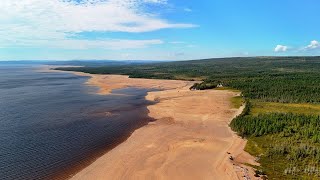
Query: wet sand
[{"x": 190, "y": 138}]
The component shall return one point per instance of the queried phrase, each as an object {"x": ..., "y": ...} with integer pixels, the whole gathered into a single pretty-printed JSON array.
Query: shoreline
[{"x": 169, "y": 143}]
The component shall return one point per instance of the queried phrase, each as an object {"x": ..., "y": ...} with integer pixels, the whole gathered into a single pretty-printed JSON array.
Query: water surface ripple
[{"x": 51, "y": 125}]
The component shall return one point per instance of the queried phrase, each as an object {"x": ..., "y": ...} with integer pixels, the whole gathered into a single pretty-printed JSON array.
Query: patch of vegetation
[
  {"x": 253, "y": 147},
  {"x": 260, "y": 107},
  {"x": 204, "y": 86},
  {"x": 237, "y": 101},
  {"x": 279, "y": 165}
]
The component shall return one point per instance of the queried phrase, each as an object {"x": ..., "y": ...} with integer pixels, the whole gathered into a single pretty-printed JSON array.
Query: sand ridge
[
  {"x": 107, "y": 83},
  {"x": 190, "y": 138}
]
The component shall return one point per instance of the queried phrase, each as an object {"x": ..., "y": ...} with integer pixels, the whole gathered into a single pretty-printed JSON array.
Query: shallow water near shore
[{"x": 52, "y": 125}]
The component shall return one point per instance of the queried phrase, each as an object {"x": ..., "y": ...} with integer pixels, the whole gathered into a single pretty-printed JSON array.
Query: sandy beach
[{"x": 190, "y": 138}]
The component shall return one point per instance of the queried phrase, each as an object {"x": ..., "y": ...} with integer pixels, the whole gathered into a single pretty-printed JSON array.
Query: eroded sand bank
[{"x": 190, "y": 139}]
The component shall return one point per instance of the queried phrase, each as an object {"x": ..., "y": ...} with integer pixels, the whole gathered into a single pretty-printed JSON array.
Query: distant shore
[{"x": 190, "y": 138}]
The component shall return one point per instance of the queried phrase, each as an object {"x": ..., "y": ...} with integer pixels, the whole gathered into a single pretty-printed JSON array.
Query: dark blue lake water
[{"x": 52, "y": 125}]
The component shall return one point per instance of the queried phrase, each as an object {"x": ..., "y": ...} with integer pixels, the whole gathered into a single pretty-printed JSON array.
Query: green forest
[
  {"x": 271, "y": 79},
  {"x": 285, "y": 143},
  {"x": 281, "y": 120}
]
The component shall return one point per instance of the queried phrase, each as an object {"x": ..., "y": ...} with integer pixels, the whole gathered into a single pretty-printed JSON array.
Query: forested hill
[
  {"x": 274, "y": 79},
  {"x": 218, "y": 67}
]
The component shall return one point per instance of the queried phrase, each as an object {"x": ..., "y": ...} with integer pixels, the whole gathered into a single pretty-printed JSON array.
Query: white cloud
[
  {"x": 114, "y": 44},
  {"x": 187, "y": 9},
  {"x": 313, "y": 45},
  {"x": 177, "y": 42},
  {"x": 281, "y": 48},
  {"x": 191, "y": 46},
  {"x": 54, "y": 22}
]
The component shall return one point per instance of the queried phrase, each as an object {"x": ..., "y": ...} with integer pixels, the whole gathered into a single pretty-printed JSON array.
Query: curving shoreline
[{"x": 190, "y": 138}]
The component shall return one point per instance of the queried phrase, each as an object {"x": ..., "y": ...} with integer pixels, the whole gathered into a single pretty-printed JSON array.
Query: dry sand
[
  {"x": 107, "y": 83},
  {"x": 190, "y": 138}
]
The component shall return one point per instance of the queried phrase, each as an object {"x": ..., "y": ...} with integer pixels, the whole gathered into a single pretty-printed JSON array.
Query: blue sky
[{"x": 157, "y": 29}]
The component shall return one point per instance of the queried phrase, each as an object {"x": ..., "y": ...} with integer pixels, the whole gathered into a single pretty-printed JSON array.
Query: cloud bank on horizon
[
  {"x": 313, "y": 46},
  {"x": 153, "y": 29}
]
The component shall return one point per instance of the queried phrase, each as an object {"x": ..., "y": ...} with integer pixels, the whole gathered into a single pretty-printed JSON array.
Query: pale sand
[
  {"x": 107, "y": 83},
  {"x": 191, "y": 138}
]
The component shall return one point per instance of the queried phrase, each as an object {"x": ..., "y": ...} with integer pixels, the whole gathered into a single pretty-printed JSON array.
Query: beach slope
[{"x": 190, "y": 138}]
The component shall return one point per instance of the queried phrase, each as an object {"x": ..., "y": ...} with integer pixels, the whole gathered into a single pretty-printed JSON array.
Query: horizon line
[{"x": 226, "y": 57}]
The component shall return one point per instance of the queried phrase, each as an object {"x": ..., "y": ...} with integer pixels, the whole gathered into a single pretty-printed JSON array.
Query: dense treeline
[
  {"x": 273, "y": 79},
  {"x": 204, "y": 86},
  {"x": 277, "y": 87},
  {"x": 285, "y": 140},
  {"x": 302, "y": 127}
]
